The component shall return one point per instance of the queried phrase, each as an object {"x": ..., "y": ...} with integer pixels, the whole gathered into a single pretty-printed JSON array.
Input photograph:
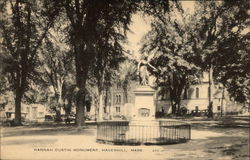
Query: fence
[{"x": 165, "y": 132}]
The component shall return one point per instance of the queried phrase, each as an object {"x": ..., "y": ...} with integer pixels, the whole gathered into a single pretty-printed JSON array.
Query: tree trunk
[
  {"x": 96, "y": 109},
  {"x": 106, "y": 101},
  {"x": 101, "y": 95},
  {"x": 174, "y": 108},
  {"x": 210, "y": 95},
  {"x": 80, "y": 104},
  {"x": 83, "y": 37},
  {"x": 58, "y": 115},
  {"x": 68, "y": 107},
  {"x": 81, "y": 75},
  {"x": 18, "y": 98},
  {"x": 222, "y": 98},
  {"x": 178, "y": 108},
  {"x": 58, "y": 109},
  {"x": 177, "y": 84},
  {"x": 100, "y": 113},
  {"x": 18, "y": 101},
  {"x": 80, "y": 97}
]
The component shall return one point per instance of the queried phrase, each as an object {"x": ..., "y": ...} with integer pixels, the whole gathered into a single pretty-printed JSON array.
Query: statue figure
[{"x": 143, "y": 72}]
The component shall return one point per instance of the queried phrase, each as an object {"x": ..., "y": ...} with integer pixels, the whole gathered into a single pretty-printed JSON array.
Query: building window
[
  {"x": 197, "y": 92},
  {"x": 8, "y": 115},
  {"x": 117, "y": 108},
  {"x": 105, "y": 109},
  {"x": 218, "y": 108},
  {"x": 190, "y": 93},
  {"x": 186, "y": 94},
  {"x": 118, "y": 99}
]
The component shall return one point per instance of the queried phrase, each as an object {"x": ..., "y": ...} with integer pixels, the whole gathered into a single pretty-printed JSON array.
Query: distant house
[
  {"x": 196, "y": 97},
  {"x": 29, "y": 112},
  {"x": 121, "y": 101},
  {"x": 36, "y": 112}
]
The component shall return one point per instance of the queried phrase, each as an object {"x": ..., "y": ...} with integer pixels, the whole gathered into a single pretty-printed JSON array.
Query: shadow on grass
[
  {"x": 225, "y": 123},
  {"x": 41, "y": 142},
  {"x": 47, "y": 129},
  {"x": 213, "y": 148},
  {"x": 235, "y": 147}
]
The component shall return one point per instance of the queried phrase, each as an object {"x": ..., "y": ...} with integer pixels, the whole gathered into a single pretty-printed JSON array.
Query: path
[{"x": 69, "y": 142}]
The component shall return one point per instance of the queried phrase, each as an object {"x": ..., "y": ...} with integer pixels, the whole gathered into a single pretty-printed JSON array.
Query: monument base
[{"x": 147, "y": 131}]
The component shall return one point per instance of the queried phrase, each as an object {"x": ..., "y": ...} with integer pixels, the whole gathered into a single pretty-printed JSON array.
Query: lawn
[{"x": 211, "y": 140}]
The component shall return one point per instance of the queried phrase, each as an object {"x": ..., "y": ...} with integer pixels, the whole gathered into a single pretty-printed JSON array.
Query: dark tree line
[
  {"x": 23, "y": 30},
  {"x": 93, "y": 28},
  {"x": 94, "y": 32},
  {"x": 212, "y": 39}
]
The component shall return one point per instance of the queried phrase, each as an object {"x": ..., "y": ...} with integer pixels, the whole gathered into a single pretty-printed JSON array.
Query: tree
[
  {"x": 127, "y": 73},
  {"x": 232, "y": 64},
  {"x": 170, "y": 48},
  {"x": 104, "y": 71},
  {"x": 211, "y": 39},
  {"x": 109, "y": 53},
  {"x": 85, "y": 19},
  {"x": 223, "y": 44},
  {"x": 24, "y": 26},
  {"x": 57, "y": 67},
  {"x": 69, "y": 94}
]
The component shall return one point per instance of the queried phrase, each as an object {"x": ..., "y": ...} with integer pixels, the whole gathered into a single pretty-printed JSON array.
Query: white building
[
  {"x": 196, "y": 97},
  {"x": 29, "y": 112}
]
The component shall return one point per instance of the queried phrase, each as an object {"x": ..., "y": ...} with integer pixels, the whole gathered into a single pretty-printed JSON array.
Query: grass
[{"x": 212, "y": 140}]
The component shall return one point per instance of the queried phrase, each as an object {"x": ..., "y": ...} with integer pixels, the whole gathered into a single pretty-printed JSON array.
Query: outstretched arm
[
  {"x": 138, "y": 66},
  {"x": 152, "y": 66}
]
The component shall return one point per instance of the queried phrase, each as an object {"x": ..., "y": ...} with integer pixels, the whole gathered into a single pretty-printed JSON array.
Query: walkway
[{"x": 68, "y": 142}]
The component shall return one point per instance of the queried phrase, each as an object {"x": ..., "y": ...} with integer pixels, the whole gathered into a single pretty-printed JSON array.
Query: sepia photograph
[{"x": 124, "y": 80}]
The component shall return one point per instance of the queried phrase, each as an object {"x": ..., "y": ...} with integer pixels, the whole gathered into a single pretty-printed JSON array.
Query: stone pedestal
[
  {"x": 144, "y": 107},
  {"x": 143, "y": 126}
]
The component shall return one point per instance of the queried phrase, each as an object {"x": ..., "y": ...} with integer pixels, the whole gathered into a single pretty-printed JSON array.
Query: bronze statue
[{"x": 143, "y": 71}]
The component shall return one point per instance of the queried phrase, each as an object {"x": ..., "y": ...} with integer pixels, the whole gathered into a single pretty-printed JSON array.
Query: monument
[
  {"x": 143, "y": 115},
  {"x": 143, "y": 128},
  {"x": 144, "y": 106}
]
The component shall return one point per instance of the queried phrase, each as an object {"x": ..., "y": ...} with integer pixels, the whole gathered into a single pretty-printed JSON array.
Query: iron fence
[{"x": 165, "y": 132}]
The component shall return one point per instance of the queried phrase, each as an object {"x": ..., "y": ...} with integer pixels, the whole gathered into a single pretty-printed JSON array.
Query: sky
[{"x": 141, "y": 25}]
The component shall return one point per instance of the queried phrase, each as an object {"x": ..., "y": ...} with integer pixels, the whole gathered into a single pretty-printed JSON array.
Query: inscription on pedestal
[
  {"x": 144, "y": 107},
  {"x": 144, "y": 112}
]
